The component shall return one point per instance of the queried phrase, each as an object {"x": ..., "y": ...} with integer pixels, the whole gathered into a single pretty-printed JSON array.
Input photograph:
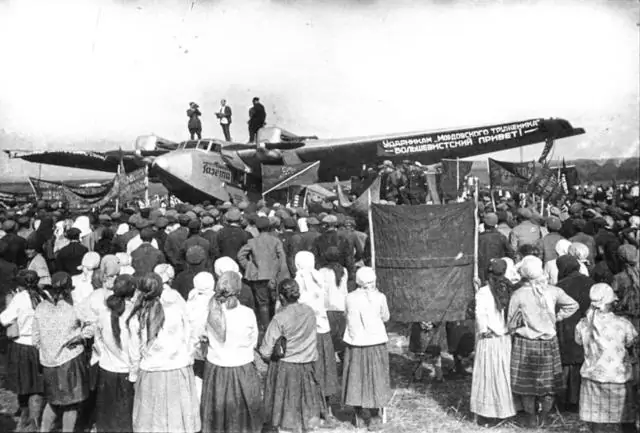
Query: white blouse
[
  {"x": 20, "y": 310},
  {"x": 366, "y": 313},
  {"x": 488, "y": 318},
  {"x": 240, "y": 342}
]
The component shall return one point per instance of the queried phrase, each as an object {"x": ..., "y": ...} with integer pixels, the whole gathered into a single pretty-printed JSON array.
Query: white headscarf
[
  {"x": 82, "y": 223},
  {"x": 511, "y": 273},
  {"x": 532, "y": 271},
  {"x": 203, "y": 282},
  {"x": 309, "y": 280},
  {"x": 562, "y": 247},
  {"x": 225, "y": 264}
]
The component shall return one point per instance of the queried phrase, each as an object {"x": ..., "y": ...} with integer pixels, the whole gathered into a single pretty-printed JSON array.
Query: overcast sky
[{"x": 75, "y": 73}]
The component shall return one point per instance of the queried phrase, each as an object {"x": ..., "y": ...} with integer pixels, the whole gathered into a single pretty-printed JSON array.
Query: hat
[
  {"x": 525, "y": 213},
  {"x": 554, "y": 224},
  {"x": 154, "y": 215},
  {"x": 23, "y": 220},
  {"x": 165, "y": 271},
  {"x": 327, "y": 206},
  {"x": 198, "y": 210},
  {"x": 628, "y": 253},
  {"x": 8, "y": 225},
  {"x": 124, "y": 259},
  {"x": 207, "y": 221},
  {"x": 90, "y": 260},
  {"x": 262, "y": 223},
  {"x": 243, "y": 205},
  {"x": 330, "y": 219},
  {"x": 365, "y": 276},
  {"x": 302, "y": 213},
  {"x": 73, "y": 234},
  {"x": 171, "y": 216},
  {"x": 491, "y": 219},
  {"x": 195, "y": 255},
  {"x": 183, "y": 219},
  {"x": 214, "y": 213},
  {"x": 289, "y": 223},
  {"x": 32, "y": 242},
  {"x": 498, "y": 267},
  {"x": 104, "y": 218},
  {"x": 274, "y": 221},
  {"x": 142, "y": 223},
  {"x": 110, "y": 265},
  {"x": 194, "y": 224},
  {"x": 162, "y": 222},
  {"x": 233, "y": 215},
  {"x": 609, "y": 222},
  {"x": 191, "y": 215},
  {"x": 554, "y": 211},
  {"x": 226, "y": 205}
]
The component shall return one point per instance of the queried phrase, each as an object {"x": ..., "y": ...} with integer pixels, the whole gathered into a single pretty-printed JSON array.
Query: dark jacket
[
  {"x": 332, "y": 239},
  {"x": 577, "y": 286},
  {"x": 183, "y": 282},
  {"x": 263, "y": 258},
  {"x": 161, "y": 237},
  {"x": 609, "y": 243},
  {"x": 173, "y": 247},
  {"x": 16, "y": 249},
  {"x": 287, "y": 238},
  {"x": 8, "y": 273},
  {"x": 145, "y": 258},
  {"x": 194, "y": 118},
  {"x": 70, "y": 257},
  {"x": 548, "y": 246},
  {"x": 491, "y": 245},
  {"x": 197, "y": 239},
  {"x": 121, "y": 241},
  {"x": 257, "y": 117},
  {"x": 230, "y": 240}
]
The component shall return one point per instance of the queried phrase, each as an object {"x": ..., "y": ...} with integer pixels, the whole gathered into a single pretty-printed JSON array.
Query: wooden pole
[
  {"x": 457, "y": 177},
  {"x": 118, "y": 196},
  {"x": 373, "y": 245},
  {"x": 542, "y": 206},
  {"x": 475, "y": 234},
  {"x": 146, "y": 185}
]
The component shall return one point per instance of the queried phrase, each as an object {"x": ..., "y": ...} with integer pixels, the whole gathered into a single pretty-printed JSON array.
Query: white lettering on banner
[
  {"x": 216, "y": 170},
  {"x": 443, "y": 141}
]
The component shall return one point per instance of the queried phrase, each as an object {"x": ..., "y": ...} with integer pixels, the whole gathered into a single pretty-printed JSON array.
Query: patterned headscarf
[{"x": 225, "y": 298}]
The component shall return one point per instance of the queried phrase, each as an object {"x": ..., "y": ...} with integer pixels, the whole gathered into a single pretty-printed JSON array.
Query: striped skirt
[
  {"x": 24, "y": 369},
  {"x": 365, "y": 376},
  {"x": 607, "y": 402},
  {"x": 491, "y": 383},
  {"x": 114, "y": 402},
  {"x": 326, "y": 370},
  {"x": 68, "y": 383},
  {"x": 535, "y": 367},
  {"x": 166, "y": 401},
  {"x": 292, "y": 397},
  {"x": 231, "y": 400}
]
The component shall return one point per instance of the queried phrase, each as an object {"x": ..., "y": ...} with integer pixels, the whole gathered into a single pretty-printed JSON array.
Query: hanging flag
[
  {"x": 276, "y": 177},
  {"x": 317, "y": 193},
  {"x": 454, "y": 172},
  {"x": 132, "y": 185},
  {"x": 510, "y": 175},
  {"x": 361, "y": 204},
  {"x": 546, "y": 184},
  {"x": 342, "y": 198},
  {"x": 545, "y": 152}
]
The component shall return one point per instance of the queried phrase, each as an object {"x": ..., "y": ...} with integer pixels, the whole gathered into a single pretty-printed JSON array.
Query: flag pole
[
  {"x": 118, "y": 196},
  {"x": 457, "y": 177},
  {"x": 476, "y": 227},
  {"x": 146, "y": 186},
  {"x": 373, "y": 245},
  {"x": 491, "y": 191}
]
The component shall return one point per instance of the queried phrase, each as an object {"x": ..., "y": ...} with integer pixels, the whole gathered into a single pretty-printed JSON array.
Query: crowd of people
[{"x": 151, "y": 319}]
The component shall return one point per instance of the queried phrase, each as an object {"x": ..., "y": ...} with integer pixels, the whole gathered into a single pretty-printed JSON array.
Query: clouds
[{"x": 115, "y": 70}]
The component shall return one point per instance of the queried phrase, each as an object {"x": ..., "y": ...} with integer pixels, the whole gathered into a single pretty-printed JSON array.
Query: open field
[{"x": 422, "y": 407}]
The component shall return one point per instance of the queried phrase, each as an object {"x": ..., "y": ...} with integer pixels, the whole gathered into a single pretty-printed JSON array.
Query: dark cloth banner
[
  {"x": 282, "y": 176},
  {"x": 424, "y": 259},
  {"x": 361, "y": 204},
  {"x": 510, "y": 175},
  {"x": 452, "y": 170},
  {"x": 546, "y": 184},
  {"x": 133, "y": 185},
  {"x": 58, "y": 191}
]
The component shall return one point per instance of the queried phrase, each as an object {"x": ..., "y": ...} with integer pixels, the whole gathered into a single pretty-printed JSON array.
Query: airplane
[{"x": 200, "y": 170}]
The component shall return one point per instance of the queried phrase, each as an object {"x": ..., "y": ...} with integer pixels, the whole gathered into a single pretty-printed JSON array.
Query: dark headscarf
[
  {"x": 501, "y": 288},
  {"x": 332, "y": 256},
  {"x": 567, "y": 265},
  {"x": 45, "y": 230}
]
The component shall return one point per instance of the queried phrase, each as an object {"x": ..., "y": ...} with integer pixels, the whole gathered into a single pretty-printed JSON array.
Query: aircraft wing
[{"x": 88, "y": 160}]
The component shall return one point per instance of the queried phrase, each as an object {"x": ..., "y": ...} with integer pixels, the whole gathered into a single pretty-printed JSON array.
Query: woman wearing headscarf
[
  {"x": 60, "y": 240},
  {"x": 161, "y": 355},
  {"x": 57, "y": 333},
  {"x": 36, "y": 261},
  {"x": 536, "y": 369},
  {"x": 225, "y": 264},
  {"x": 82, "y": 286},
  {"x": 606, "y": 393},
  {"x": 114, "y": 395},
  {"x": 312, "y": 294},
  {"x": 577, "y": 286},
  {"x": 365, "y": 377},
  {"x": 197, "y": 310},
  {"x": 45, "y": 238},
  {"x": 334, "y": 282},
  {"x": 87, "y": 237},
  {"x": 231, "y": 400},
  {"x": 125, "y": 264},
  {"x": 167, "y": 274},
  {"x": 292, "y": 397},
  {"x": 23, "y": 363},
  {"x": 626, "y": 285},
  {"x": 491, "y": 383},
  {"x": 511, "y": 273},
  {"x": 581, "y": 254},
  {"x": 551, "y": 267}
]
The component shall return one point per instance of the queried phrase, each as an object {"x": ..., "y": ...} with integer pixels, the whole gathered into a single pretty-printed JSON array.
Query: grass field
[{"x": 422, "y": 407}]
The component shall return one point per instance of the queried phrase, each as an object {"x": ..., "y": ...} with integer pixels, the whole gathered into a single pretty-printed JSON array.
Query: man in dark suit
[
  {"x": 232, "y": 237},
  {"x": 16, "y": 245},
  {"x": 194, "y": 125},
  {"x": 491, "y": 245},
  {"x": 146, "y": 257},
  {"x": 69, "y": 258},
  {"x": 331, "y": 238},
  {"x": 224, "y": 116},
  {"x": 175, "y": 240},
  {"x": 257, "y": 118}
]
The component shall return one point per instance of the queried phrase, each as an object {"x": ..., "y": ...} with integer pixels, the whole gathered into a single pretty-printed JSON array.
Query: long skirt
[
  {"x": 68, "y": 383},
  {"x": 536, "y": 369},
  {"x": 365, "y": 378},
  {"x": 572, "y": 379},
  {"x": 491, "y": 383},
  {"x": 292, "y": 396},
  {"x": 337, "y": 324},
  {"x": 231, "y": 400},
  {"x": 326, "y": 370},
  {"x": 24, "y": 369},
  {"x": 607, "y": 402},
  {"x": 166, "y": 401},
  {"x": 114, "y": 402}
]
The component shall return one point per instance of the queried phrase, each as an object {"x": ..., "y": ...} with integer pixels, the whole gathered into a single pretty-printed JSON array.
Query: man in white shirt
[{"x": 224, "y": 116}]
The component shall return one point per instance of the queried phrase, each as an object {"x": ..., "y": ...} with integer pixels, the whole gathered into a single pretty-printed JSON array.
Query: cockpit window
[
  {"x": 190, "y": 145},
  {"x": 204, "y": 145},
  {"x": 215, "y": 147}
]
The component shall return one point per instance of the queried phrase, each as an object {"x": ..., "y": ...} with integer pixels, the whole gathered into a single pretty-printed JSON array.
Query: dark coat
[
  {"x": 8, "y": 273},
  {"x": 289, "y": 246},
  {"x": 577, "y": 286},
  {"x": 69, "y": 258},
  {"x": 257, "y": 116},
  {"x": 491, "y": 245},
  {"x": 332, "y": 239},
  {"x": 610, "y": 243},
  {"x": 145, "y": 258},
  {"x": 548, "y": 246},
  {"x": 230, "y": 240},
  {"x": 16, "y": 249},
  {"x": 183, "y": 282},
  {"x": 161, "y": 237},
  {"x": 173, "y": 247},
  {"x": 263, "y": 258}
]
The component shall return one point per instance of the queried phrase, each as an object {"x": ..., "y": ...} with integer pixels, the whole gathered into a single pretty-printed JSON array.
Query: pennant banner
[
  {"x": 133, "y": 185},
  {"x": 510, "y": 175},
  {"x": 546, "y": 184},
  {"x": 361, "y": 204},
  {"x": 276, "y": 177},
  {"x": 454, "y": 171}
]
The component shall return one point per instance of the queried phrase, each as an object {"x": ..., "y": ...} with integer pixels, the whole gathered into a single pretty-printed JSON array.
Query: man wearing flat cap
[
  {"x": 69, "y": 258},
  {"x": 136, "y": 241},
  {"x": 24, "y": 227},
  {"x": 526, "y": 232},
  {"x": 195, "y": 238},
  {"x": 146, "y": 256},
  {"x": 17, "y": 245},
  {"x": 232, "y": 237},
  {"x": 174, "y": 243},
  {"x": 160, "y": 234},
  {"x": 265, "y": 266},
  {"x": 548, "y": 243},
  {"x": 491, "y": 245},
  {"x": 330, "y": 238}
]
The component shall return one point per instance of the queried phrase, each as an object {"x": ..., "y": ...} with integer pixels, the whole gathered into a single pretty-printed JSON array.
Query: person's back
[
  {"x": 525, "y": 233},
  {"x": 297, "y": 324},
  {"x": 173, "y": 246},
  {"x": 145, "y": 258},
  {"x": 230, "y": 239}
]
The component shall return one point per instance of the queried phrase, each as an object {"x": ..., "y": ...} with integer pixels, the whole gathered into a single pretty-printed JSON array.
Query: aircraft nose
[
  {"x": 162, "y": 162},
  {"x": 175, "y": 163}
]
